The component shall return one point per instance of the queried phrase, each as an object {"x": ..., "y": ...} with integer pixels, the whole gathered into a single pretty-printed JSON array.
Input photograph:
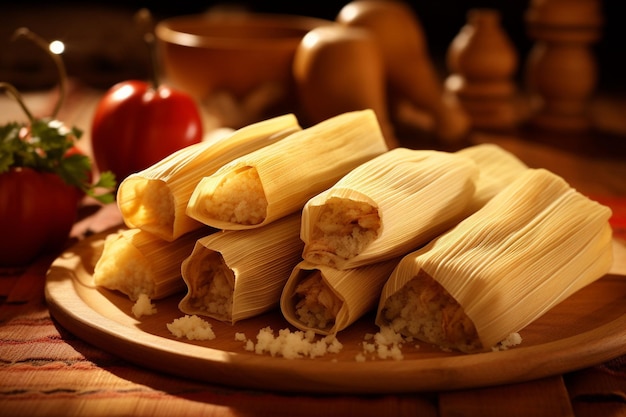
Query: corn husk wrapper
[
  {"x": 342, "y": 296},
  {"x": 265, "y": 185},
  {"x": 236, "y": 274},
  {"x": 530, "y": 247},
  {"x": 387, "y": 207},
  {"x": 137, "y": 262},
  {"x": 156, "y": 198},
  {"x": 498, "y": 168}
]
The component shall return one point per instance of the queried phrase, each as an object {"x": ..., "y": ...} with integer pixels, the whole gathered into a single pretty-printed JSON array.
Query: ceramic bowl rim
[{"x": 178, "y": 30}]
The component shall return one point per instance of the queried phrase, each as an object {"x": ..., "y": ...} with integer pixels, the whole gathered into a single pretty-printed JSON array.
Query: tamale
[
  {"x": 498, "y": 168},
  {"x": 387, "y": 207},
  {"x": 137, "y": 262},
  {"x": 327, "y": 300},
  {"x": 236, "y": 274},
  {"x": 277, "y": 180},
  {"x": 156, "y": 198},
  {"x": 530, "y": 247}
]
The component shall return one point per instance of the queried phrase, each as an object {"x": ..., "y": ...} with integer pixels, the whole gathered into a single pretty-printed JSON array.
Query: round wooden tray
[{"x": 586, "y": 329}]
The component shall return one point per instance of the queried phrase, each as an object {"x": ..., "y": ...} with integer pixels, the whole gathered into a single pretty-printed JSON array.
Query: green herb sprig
[{"x": 47, "y": 145}]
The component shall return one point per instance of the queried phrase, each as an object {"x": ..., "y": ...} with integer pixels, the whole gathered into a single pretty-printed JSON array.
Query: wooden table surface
[{"x": 45, "y": 370}]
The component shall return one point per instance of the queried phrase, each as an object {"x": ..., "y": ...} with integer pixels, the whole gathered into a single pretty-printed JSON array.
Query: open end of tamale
[
  {"x": 343, "y": 229},
  {"x": 423, "y": 309},
  {"x": 137, "y": 262},
  {"x": 277, "y": 180},
  {"x": 149, "y": 204},
  {"x": 123, "y": 268},
  {"x": 239, "y": 198},
  {"x": 316, "y": 305},
  {"x": 210, "y": 286}
]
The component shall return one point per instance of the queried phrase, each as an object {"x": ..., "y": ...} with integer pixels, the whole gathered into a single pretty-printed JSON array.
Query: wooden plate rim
[{"x": 263, "y": 372}]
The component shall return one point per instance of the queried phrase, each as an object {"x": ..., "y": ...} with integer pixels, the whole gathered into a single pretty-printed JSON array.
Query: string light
[{"x": 57, "y": 47}]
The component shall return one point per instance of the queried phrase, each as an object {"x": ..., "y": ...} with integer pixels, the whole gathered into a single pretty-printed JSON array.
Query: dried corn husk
[
  {"x": 156, "y": 198},
  {"x": 237, "y": 274},
  {"x": 534, "y": 244},
  {"x": 327, "y": 300},
  {"x": 387, "y": 207},
  {"x": 137, "y": 262},
  {"x": 498, "y": 168},
  {"x": 267, "y": 184}
]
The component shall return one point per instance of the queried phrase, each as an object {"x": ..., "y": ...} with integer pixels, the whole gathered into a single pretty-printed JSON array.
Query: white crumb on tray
[
  {"x": 512, "y": 340},
  {"x": 290, "y": 344},
  {"x": 143, "y": 306},
  {"x": 192, "y": 327},
  {"x": 385, "y": 344}
]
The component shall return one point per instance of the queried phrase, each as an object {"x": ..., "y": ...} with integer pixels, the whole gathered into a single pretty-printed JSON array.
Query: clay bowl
[{"x": 242, "y": 55}]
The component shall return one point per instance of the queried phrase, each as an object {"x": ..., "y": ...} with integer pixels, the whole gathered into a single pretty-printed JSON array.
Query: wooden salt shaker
[
  {"x": 561, "y": 70},
  {"x": 482, "y": 62},
  {"x": 410, "y": 72}
]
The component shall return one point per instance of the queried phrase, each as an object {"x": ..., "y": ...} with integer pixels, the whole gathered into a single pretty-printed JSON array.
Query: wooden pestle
[
  {"x": 410, "y": 71},
  {"x": 338, "y": 69}
]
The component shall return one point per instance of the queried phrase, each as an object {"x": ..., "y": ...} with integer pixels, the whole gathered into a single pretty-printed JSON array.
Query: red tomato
[
  {"x": 136, "y": 126},
  {"x": 37, "y": 211}
]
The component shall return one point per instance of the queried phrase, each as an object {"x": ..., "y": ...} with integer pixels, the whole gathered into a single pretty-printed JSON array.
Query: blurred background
[{"x": 104, "y": 46}]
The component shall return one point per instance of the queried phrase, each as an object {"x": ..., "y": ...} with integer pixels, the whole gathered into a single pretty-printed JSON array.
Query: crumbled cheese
[
  {"x": 511, "y": 340},
  {"x": 248, "y": 344},
  {"x": 143, "y": 306},
  {"x": 385, "y": 344},
  {"x": 291, "y": 345},
  {"x": 191, "y": 327}
]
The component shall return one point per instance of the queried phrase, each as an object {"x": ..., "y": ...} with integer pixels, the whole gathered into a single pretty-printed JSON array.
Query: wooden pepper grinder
[
  {"x": 482, "y": 62},
  {"x": 561, "y": 70},
  {"x": 410, "y": 72}
]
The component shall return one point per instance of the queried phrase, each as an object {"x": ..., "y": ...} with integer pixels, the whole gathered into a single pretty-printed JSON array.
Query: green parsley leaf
[
  {"x": 107, "y": 182},
  {"x": 45, "y": 146},
  {"x": 8, "y": 145}
]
